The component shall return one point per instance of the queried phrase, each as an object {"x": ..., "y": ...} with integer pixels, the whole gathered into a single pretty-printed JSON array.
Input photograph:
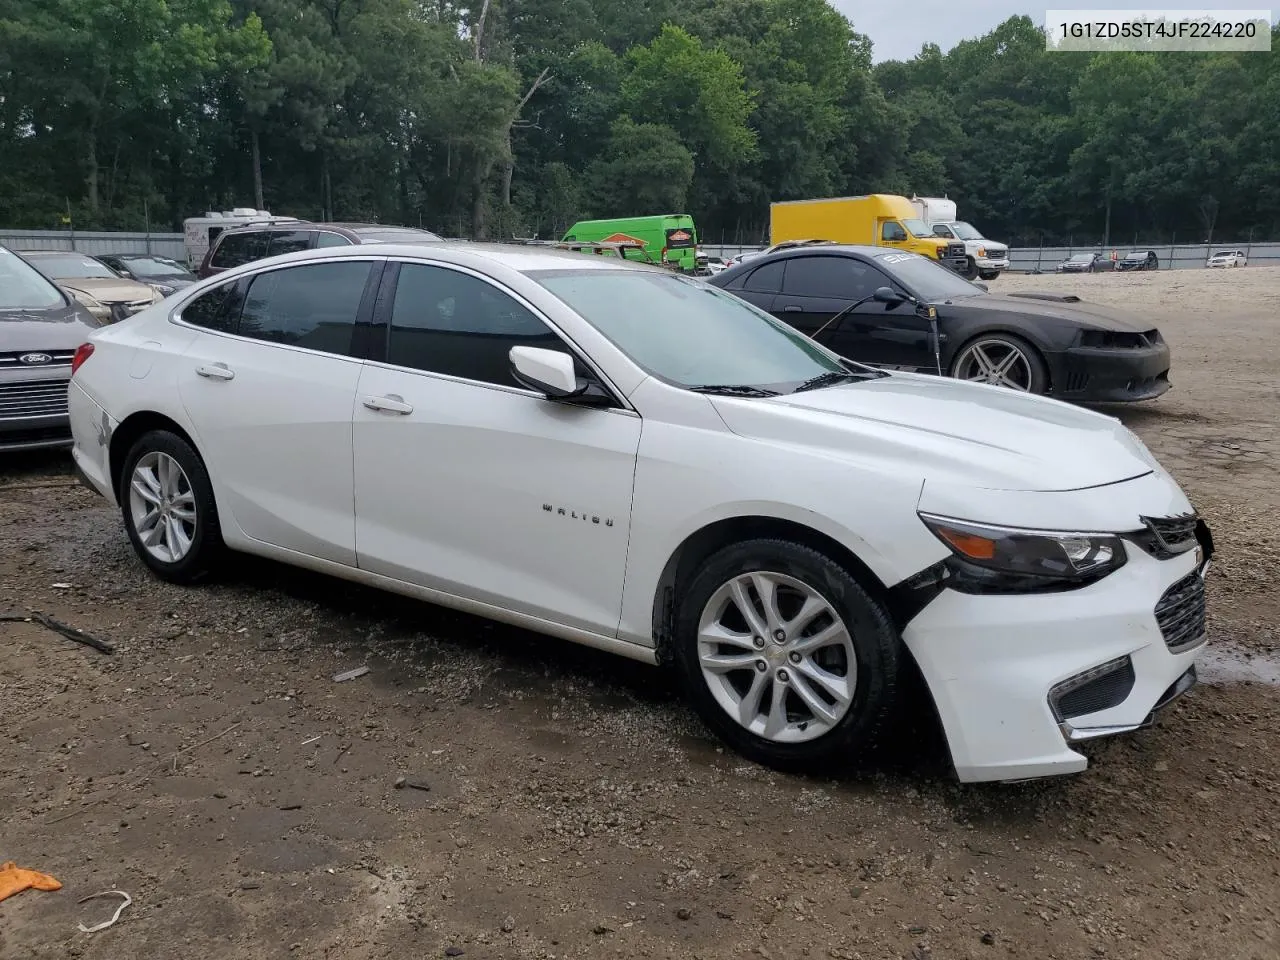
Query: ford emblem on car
[{"x": 34, "y": 359}]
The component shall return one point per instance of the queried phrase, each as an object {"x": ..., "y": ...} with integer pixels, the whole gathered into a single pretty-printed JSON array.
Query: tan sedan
[{"x": 109, "y": 297}]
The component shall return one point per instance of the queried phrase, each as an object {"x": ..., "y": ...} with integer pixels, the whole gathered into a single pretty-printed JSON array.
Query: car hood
[
  {"x": 916, "y": 427},
  {"x": 39, "y": 331},
  {"x": 1081, "y": 312},
  {"x": 110, "y": 291}
]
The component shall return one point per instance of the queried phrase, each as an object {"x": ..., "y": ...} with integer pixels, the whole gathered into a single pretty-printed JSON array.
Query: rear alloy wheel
[
  {"x": 167, "y": 502},
  {"x": 1001, "y": 360},
  {"x": 785, "y": 655}
]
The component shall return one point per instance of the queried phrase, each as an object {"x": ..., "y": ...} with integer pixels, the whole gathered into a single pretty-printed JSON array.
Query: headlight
[
  {"x": 163, "y": 289},
  {"x": 982, "y": 251},
  {"x": 993, "y": 559}
]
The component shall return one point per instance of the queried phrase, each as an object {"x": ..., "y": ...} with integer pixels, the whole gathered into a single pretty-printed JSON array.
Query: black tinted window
[
  {"x": 213, "y": 309},
  {"x": 448, "y": 322},
  {"x": 766, "y": 279},
  {"x": 288, "y": 241},
  {"x": 311, "y": 306},
  {"x": 237, "y": 248},
  {"x": 327, "y": 239},
  {"x": 837, "y": 278}
]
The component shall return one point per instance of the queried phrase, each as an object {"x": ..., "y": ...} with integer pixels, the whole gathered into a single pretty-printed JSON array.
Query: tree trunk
[
  {"x": 326, "y": 187},
  {"x": 477, "y": 199},
  {"x": 258, "y": 202},
  {"x": 91, "y": 169},
  {"x": 508, "y": 171},
  {"x": 1106, "y": 230}
]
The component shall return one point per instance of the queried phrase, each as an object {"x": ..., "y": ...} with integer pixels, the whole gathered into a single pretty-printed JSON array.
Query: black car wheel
[
  {"x": 988, "y": 274},
  {"x": 970, "y": 271},
  {"x": 1002, "y": 360},
  {"x": 786, "y": 656}
]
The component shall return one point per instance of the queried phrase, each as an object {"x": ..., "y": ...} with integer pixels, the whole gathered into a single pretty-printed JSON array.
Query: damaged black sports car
[{"x": 897, "y": 310}]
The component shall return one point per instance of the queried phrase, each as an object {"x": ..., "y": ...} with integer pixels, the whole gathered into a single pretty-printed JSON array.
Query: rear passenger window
[
  {"x": 448, "y": 322},
  {"x": 238, "y": 248},
  {"x": 288, "y": 241},
  {"x": 766, "y": 279},
  {"x": 312, "y": 306},
  {"x": 327, "y": 239},
  {"x": 213, "y": 310}
]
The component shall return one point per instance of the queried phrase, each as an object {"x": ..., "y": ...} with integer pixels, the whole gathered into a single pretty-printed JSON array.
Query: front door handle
[
  {"x": 215, "y": 371},
  {"x": 791, "y": 308},
  {"x": 391, "y": 403}
]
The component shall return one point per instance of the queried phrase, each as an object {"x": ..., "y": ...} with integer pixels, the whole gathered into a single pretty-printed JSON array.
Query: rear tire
[
  {"x": 807, "y": 676},
  {"x": 167, "y": 502}
]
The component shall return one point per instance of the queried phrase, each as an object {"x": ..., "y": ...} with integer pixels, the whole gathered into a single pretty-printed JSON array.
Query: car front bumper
[
  {"x": 33, "y": 410},
  {"x": 992, "y": 263},
  {"x": 992, "y": 664},
  {"x": 1109, "y": 375}
]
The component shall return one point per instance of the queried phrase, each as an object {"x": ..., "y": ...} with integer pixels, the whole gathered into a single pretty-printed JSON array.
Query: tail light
[{"x": 83, "y": 353}]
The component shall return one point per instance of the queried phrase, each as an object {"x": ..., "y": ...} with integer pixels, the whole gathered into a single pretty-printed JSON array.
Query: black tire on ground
[
  {"x": 988, "y": 274},
  {"x": 206, "y": 543},
  {"x": 877, "y": 649},
  {"x": 1039, "y": 373},
  {"x": 970, "y": 269}
]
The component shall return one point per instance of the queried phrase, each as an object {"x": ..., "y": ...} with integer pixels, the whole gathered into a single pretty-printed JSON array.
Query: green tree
[{"x": 644, "y": 169}]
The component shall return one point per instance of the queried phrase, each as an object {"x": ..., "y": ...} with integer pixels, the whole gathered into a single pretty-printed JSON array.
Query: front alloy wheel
[
  {"x": 777, "y": 657},
  {"x": 1002, "y": 361},
  {"x": 786, "y": 655}
]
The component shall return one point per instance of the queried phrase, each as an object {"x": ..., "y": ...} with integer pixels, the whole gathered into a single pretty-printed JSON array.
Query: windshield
[
  {"x": 688, "y": 332},
  {"x": 917, "y": 228},
  {"x": 966, "y": 231},
  {"x": 926, "y": 278},
  {"x": 73, "y": 266},
  {"x": 1081, "y": 258},
  {"x": 155, "y": 267},
  {"x": 1136, "y": 255},
  {"x": 1224, "y": 253},
  {"x": 22, "y": 288}
]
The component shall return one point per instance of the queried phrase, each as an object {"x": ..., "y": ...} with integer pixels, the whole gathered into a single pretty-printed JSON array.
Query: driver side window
[
  {"x": 893, "y": 232},
  {"x": 448, "y": 322},
  {"x": 832, "y": 278}
]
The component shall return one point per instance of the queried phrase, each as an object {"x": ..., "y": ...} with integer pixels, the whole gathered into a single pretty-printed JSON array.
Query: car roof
[
  {"x": 518, "y": 257},
  {"x": 54, "y": 253}
]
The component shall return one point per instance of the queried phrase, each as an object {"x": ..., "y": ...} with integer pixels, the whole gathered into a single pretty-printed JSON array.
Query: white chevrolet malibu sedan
[{"x": 637, "y": 461}]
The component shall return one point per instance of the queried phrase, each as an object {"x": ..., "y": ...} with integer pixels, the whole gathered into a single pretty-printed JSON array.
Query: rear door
[{"x": 269, "y": 385}]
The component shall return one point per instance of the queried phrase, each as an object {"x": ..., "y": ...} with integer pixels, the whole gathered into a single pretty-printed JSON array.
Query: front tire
[
  {"x": 1002, "y": 360},
  {"x": 970, "y": 269},
  {"x": 786, "y": 656},
  {"x": 169, "y": 512},
  {"x": 988, "y": 274}
]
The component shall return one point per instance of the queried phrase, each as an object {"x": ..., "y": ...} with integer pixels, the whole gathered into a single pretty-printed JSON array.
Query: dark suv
[{"x": 246, "y": 244}]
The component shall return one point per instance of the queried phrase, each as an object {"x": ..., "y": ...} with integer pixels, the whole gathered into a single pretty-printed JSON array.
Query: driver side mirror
[
  {"x": 888, "y": 296},
  {"x": 552, "y": 372}
]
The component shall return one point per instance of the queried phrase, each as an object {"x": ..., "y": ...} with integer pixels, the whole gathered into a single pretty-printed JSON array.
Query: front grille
[
  {"x": 33, "y": 398},
  {"x": 1098, "y": 689},
  {"x": 955, "y": 250},
  {"x": 997, "y": 253},
  {"x": 57, "y": 358},
  {"x": 1120, "y": 339},
  {"x": 1165, "y": 537},
  {"x": 1180, "y": 613}
]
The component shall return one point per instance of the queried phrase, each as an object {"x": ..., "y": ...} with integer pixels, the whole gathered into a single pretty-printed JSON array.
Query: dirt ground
[{"x": 248, "y": 804}]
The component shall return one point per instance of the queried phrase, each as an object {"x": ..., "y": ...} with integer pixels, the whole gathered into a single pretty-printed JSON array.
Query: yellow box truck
[{"x": 878, "y": 219}]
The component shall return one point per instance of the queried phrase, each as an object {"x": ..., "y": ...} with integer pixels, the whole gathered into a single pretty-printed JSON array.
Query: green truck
[{"x": 670, "y": 238}]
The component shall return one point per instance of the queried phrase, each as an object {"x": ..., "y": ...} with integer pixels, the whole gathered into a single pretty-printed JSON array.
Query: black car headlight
[{"x": 995, "y": 559}]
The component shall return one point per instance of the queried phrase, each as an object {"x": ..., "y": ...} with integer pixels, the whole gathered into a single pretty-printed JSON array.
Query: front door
[
  {"x": 269, "y": 388},
  {"x": 467, "y": 482}
]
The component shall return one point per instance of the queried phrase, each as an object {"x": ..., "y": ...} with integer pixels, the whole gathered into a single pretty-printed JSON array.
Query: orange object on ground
[{"x": 14, "y": 879}]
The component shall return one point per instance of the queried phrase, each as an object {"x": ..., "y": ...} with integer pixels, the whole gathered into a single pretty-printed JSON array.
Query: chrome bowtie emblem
[{"x": 34, "y": 359}]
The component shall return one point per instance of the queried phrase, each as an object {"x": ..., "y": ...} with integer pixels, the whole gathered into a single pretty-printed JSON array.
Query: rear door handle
[
  {"x": 215, "y": 371},
  {"x": 391, "y": 403},
  {"x": 791, "y": 308}
]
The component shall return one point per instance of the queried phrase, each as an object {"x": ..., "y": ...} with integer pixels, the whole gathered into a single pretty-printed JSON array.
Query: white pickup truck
[{"x": 986, "y": 258}]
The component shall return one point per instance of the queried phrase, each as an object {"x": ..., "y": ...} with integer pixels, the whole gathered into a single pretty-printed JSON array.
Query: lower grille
[
  {"x": 1076, "y": 380},
  {"x": 1098, "y": 689},
  {"x": 33, "y": 398},
  {"x": 41, "y": 436},
  {"x": 1180, "y": 613}
]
